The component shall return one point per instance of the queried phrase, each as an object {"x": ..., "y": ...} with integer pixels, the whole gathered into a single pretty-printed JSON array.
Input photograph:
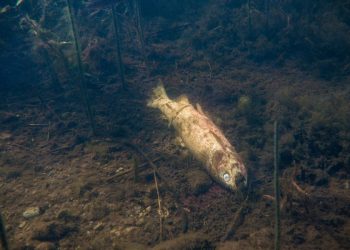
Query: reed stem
[
  {"x": 82, "y": 83},
  {"x": 3, "y": 237},
  {"x": 277, "y": 189},
  {"x": 267, "y": 17},
  {"x": 116, "y": 24},
  {"x": 139, "y": 25},
  {"x": 160, "y": 210},
  {"x": 249, "y": 19}
]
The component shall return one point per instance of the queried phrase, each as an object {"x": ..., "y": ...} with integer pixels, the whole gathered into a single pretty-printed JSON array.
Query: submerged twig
[
  {"x": 160, "y": 211},
  {"x": 128, "y": 171},
  {"x": 237, "y": 220},
  {"x": 298, "y": 188},
  {"x": 48, "y": 131},
  {"x": 156, "y": 173},
  {"x": 239, "y": 216},
  {"x": 24, "y": 148},
  {"x": 139, "y": 151},
  {"x": 210, "y": 70},
  {"x": 38, "y": 124}
]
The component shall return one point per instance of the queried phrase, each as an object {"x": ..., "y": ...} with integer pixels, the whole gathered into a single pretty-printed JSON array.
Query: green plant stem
[
  {"x": 119, "y": 55},
  {"x": 3, "y": 238},
  {"x": 267, "y": 13},
  {"x": 82, "y": 83},
  {"x": 139, "y": 24},
  {"x": 277, "y": 189},
  {"x": 249, "y": 19}
]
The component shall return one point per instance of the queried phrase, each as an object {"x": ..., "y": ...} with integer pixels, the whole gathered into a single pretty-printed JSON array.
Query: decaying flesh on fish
[{"x": 203, "y": 138}]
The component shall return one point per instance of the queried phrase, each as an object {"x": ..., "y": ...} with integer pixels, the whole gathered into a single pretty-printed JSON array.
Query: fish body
[{"x": 203, "y": 138}]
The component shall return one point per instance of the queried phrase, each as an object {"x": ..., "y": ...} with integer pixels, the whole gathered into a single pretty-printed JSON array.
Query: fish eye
[{"x": 226, "y": 177}]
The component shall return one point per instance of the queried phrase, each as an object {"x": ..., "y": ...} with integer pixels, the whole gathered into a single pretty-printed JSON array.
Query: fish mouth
[{"x": 241, "y": 181}]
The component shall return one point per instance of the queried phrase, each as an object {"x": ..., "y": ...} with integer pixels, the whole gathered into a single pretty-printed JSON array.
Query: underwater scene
[{"x": 174, "y": 124}]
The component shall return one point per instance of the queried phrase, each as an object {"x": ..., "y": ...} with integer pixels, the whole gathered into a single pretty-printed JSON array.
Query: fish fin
[
  {"x": 179, "y": 142},
  {"x": 199, "y": 108},
  {"x": 183, "y": 99},
  {"x": 158, "y": 94}
]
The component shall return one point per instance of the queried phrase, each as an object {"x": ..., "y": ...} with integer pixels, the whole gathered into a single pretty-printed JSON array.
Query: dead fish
[{"x": 203, "y": 138}]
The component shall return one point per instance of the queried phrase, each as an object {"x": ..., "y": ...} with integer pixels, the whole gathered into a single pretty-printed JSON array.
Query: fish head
[{"x": 233, "y": 174}]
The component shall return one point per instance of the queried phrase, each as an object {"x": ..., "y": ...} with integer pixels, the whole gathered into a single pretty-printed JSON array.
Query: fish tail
[{"x": 158, "y": 94}]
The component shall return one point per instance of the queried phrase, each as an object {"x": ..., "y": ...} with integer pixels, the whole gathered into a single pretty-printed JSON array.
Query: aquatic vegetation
[
  {"x": 46, "y": 45},
  {"x": 139, "y": 25},
  {"x": 81, "y": 79},
  {"x": 116, "y": 25}
]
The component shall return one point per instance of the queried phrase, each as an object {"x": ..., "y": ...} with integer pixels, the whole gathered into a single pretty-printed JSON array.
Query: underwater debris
[
  {"x": 31, "y": 212},
  {"x": 19, "y": 2},
  {"x": 203, "y": 138},
  {"x": 5, "y": 9}
]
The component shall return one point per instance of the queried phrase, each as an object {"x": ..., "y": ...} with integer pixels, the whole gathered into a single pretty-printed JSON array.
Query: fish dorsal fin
[
  {"x": 199, "y": 108},
  {"x": 183, "y": 99}
]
